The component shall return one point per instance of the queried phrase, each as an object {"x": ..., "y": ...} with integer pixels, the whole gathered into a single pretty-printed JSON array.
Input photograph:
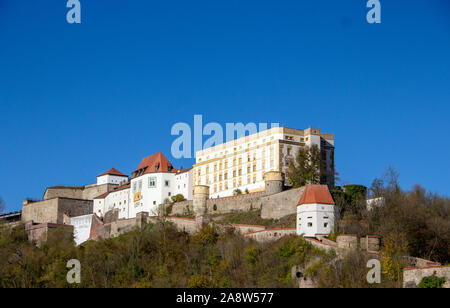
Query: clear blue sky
[{"x": 76, "y": 100}]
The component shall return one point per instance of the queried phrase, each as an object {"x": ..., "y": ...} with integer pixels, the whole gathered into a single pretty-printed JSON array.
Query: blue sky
[{"x": 76, "y": 100}]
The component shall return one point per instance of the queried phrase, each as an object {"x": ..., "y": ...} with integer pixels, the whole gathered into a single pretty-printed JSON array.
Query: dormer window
[
  {"x": 170, "y": 168},
  {"x": 157, "y": 168}
]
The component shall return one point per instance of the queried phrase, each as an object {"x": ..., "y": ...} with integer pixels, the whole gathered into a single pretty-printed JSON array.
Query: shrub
[{"x": 432, "y": 282}]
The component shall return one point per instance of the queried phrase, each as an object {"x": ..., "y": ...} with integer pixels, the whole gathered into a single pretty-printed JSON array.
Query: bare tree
[{"x": 2, "y": 205}]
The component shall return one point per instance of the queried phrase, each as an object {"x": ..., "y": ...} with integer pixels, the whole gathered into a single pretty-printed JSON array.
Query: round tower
[
  {"x": 201, "y": 194},
  {"x": 274, "y": 182}
]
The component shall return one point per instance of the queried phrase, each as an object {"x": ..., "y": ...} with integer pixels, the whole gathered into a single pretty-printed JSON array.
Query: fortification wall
[
  {"x": 38, "y": 233},
  {"x": 81, "y": 228},
  {"x": 347, "y": 241},
  {"x": 271, "y": 234},
  {"x": 41, "y": 211},
  {"x": 83, "y": 192},
  {"x": 53, "y": 210},
  {"x": 239, "y": 203},
  {"x": 243, "y": 202},
  {"x": 413, "y": 276},
  {"x": 281, "y": 204}
]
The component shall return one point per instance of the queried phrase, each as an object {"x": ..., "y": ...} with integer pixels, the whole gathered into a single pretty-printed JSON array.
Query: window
[
  {"x": 325, "y": 225},
  {"x": 310, "y": 224},
  {"x": 154, "y": 202},
  {"x": 169, "y": 194},
  {"x": 152, "y": 182},
  {"x": 140, "y": 185},
  {"x": 166, "y": 183}
]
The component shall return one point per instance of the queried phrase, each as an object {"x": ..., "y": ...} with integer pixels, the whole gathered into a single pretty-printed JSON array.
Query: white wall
[
  {"x": 111, "y": 179},
  {"x": 81, "y": 228},
  {"x": 183, "y": 184},
  {"x": 99, "y": 207},
  {"x": 317, "y": 215}
]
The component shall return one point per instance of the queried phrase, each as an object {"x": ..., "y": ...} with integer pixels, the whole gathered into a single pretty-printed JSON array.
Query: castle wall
[
  {"x": 83, "y": 192},
  {"x": 413, "y": 276},
  {"x": 41, "y": 211},
  {"x": 81, "y": 228},
  {"x": 244, "y": 202},
  {"x": 281, "y": 204},
  {"x": 271, "y": 234},
  {"x": 53, "y": 210},
  {"x": 38, "y": 233}
]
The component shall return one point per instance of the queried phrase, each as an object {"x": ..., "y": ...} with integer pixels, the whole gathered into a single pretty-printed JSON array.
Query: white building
[
  {"x": 241, "y": 163},
  {"x": 316, "y": 211},
  {"x": 112, "y": 176},
  {"x": 154, "y": 182}
]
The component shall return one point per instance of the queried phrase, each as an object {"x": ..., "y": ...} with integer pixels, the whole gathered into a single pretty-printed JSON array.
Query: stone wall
[
  {"x": 88, "y": 192},
  {"x": 38, "y": 233},
  {"x": 370, "y": 243},
  {"x": 41, "y": 211},
  {"x": 281, "y": 204},
  {"x": 239, "y": 203},
  {"x": 413, "y": 276},
  {"x": 81, "y": 228},
  {"x": 53, "y": 210},
  {"x": 271, "y": 234},
  {"x": 243, "y": 203},
  {"x": 347, "y": 241}
]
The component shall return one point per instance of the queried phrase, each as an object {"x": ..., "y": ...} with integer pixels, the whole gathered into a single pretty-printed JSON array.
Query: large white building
[
  {"x": 153, "y": 182},
  {"x": 316, "y": 211},
  {"x": 241, "y": 163}
]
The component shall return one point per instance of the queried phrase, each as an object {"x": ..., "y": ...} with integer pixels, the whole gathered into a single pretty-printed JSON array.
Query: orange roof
[
  {"x": 155, "y": 163},
  {"x": 316, "y": 194},
  {"x": 113, "y": 171}
]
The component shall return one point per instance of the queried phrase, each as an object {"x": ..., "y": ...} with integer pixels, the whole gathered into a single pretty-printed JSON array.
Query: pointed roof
[
  {"x": 154, "y": 163},
  {"x": 113, "y": 171},
  {"x": 316, "y": 194}
]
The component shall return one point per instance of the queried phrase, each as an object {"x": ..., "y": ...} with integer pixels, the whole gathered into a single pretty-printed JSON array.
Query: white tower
[
  {"x": 112, "y": 176},
  {"x": 316, "y": 211}
]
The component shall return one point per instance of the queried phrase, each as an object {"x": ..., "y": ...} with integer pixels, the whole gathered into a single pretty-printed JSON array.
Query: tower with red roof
[
  {"x": 112, "y": 176},
  {"x": 316, "y": 211}
]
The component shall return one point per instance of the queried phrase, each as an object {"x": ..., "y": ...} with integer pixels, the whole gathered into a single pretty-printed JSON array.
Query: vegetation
[
  {"x": 431, "y": 282},
  {"x": 306, "y": 169},
  {"x": 237, "y": 192},
  {"x": 178, "y": 198},
  {"x": 253, "y": 217},
  {"x": 158, "y": 256},
  {"x": 2, "y": 206},
  {"x": 414, "y": 223}
]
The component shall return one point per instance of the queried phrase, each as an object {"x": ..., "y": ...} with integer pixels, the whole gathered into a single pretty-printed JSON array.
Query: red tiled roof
[
  {"x": 102, "y": 196},
  {"x": 113, "y": 171},
  {"x": 149, "y": 164},
  {"x": 316, "y": 194},
  {"x": 122, "y": 187}
]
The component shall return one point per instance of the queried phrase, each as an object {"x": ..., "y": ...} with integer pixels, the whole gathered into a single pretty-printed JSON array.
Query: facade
[
  {"x": 154, "y": 182},
  {"x": 316, "y": 211},
  {"x": 118, "y": 199},
  {"x": 112, "y": 176},
  {"x": 242, "y": 163}
]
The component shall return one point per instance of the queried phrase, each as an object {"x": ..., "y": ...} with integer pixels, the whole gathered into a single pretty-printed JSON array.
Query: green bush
[{"x": 431, "y": 282}]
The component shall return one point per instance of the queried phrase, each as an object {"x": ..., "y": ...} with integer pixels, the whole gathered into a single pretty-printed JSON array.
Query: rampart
[{"x": 88, "y": 192}]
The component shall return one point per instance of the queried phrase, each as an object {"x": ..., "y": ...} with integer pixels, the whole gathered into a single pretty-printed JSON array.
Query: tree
[
  {"x": 178, "y": 198},
  {"x": 307, "y": 167},
  {"x": 2, "y": 206},
  {"x": 237, "y": 192}
]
